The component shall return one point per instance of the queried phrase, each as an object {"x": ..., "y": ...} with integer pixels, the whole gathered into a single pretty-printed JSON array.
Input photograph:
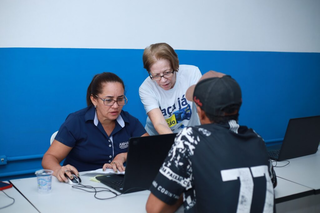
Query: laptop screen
[{"x": 144, "y": 159}]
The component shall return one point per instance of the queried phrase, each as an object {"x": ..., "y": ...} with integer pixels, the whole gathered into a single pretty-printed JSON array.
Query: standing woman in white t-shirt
[{"x": 163, "y": 93}]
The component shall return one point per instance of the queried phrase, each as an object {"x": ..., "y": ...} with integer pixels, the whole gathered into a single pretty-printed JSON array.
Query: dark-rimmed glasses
[
  {"x": 110, "y": 101},
  {"x": 166, "y": 74}
]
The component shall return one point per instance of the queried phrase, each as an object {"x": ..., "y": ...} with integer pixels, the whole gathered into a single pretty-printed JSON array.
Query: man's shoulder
[
  {"x": 213, "y": 132},
  {"x": 194, "y": 131},
  {"x": 207, "y": 129}
]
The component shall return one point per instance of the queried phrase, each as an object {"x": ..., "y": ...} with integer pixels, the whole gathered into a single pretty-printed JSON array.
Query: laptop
[
  {"x": 302, "y": 138},
  {"x": 145, "y": 157}
]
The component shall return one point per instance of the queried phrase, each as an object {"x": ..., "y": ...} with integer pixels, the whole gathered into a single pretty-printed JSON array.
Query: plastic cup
[{"x": 44, "y": 179}]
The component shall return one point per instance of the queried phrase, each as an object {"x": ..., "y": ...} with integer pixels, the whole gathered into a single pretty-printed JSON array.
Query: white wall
[{"x": 249, "y": 25}]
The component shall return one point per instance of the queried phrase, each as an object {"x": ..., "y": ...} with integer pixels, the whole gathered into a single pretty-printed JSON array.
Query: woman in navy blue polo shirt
[{"x": 96, "y": 136}]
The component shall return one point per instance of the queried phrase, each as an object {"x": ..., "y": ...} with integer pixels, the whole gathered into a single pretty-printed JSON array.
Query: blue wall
[{"x": 39, "y": 87}]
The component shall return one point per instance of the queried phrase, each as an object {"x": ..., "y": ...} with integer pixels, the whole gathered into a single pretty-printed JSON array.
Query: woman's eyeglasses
[
  {"x": 110, "y": 101},
  {"x": 166, "y": 74}
]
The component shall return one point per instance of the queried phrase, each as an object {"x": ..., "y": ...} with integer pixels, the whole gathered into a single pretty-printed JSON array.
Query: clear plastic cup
[{"x": 44, "y": 179}]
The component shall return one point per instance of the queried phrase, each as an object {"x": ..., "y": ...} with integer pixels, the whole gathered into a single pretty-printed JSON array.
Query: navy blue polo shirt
[{"x": 91, "y": 146}]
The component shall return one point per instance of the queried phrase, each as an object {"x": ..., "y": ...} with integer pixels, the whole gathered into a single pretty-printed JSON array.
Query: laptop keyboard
[
  {"x": 273, "y": 154},
  {"x": 116, "y": 183},
  {"x": 113, "y": 181}
]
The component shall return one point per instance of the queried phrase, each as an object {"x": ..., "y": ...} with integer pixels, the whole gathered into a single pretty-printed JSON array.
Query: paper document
[{"x": 100, "y": 171}]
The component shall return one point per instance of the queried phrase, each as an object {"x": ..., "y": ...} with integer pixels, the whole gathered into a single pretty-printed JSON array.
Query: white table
[
  {"x": 300, "y": 176},
  {"x": 64, "y": 198},
  {"x": 21, "y": 204},
  {"x": 287, "y": 190},
  {"x": 298, "y": 181},
  {"x": 303, "y": 170}
]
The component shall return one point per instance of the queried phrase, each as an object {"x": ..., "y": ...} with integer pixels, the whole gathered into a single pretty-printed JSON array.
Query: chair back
[{"x": 53, "y": 137}]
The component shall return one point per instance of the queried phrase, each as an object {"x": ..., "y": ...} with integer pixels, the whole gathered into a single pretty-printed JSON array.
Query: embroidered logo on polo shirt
[{"x": 124, "y": 145}]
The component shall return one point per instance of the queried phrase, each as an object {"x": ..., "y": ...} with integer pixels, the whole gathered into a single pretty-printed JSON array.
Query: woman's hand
[
  {"x": 53, "y": 157},
  {"x": 66, "y": 170},
  {"x": 117, "y": 163}
]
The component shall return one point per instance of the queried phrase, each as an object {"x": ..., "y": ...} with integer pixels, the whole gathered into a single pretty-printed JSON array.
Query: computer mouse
[{"x": 74, "y": 180}]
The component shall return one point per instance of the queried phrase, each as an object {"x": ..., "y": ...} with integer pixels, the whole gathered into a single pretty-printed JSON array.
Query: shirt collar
[
  {"x": 95, "y": 120},
  {"x": 120, "y": 121}
]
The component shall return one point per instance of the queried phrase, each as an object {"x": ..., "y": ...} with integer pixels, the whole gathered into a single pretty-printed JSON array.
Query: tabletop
[
  {"x": 20, "y": 204},
  {"x": 302, "y": 170}
]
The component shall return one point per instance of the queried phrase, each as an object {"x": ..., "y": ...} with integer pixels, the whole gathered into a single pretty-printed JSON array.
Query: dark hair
[
  {"x": 225, "y": 115},
  {"x": 160, "y": 51},
  {"x": 95, "y": 87}
]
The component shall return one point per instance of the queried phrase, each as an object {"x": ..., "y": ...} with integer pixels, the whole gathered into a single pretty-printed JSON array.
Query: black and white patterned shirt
[{"x": 217, "y": 168}]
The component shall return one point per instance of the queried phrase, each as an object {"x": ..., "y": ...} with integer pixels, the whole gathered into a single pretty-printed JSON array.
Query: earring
[{"x": 95, "y": 106}]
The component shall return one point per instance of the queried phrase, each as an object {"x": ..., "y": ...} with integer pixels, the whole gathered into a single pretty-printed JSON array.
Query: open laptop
[
  {"x": 302, "y": 138},
  {"x": 144, "y": 159}
]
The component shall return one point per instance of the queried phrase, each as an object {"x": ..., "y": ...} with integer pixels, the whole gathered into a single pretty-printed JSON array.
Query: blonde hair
[{"x": 160, "y": 51}]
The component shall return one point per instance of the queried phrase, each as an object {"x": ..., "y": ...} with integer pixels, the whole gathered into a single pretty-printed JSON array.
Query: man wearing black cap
[{"x": 218, "y": 166}]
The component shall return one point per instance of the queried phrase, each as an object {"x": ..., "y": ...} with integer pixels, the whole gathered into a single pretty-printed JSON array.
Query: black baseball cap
[{"x": 214, "y": 94}]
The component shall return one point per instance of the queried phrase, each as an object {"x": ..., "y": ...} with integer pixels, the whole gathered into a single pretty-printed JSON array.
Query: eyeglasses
[
  {"x": 110, "y": 101},
  {"x": 166, "y": 74}
]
